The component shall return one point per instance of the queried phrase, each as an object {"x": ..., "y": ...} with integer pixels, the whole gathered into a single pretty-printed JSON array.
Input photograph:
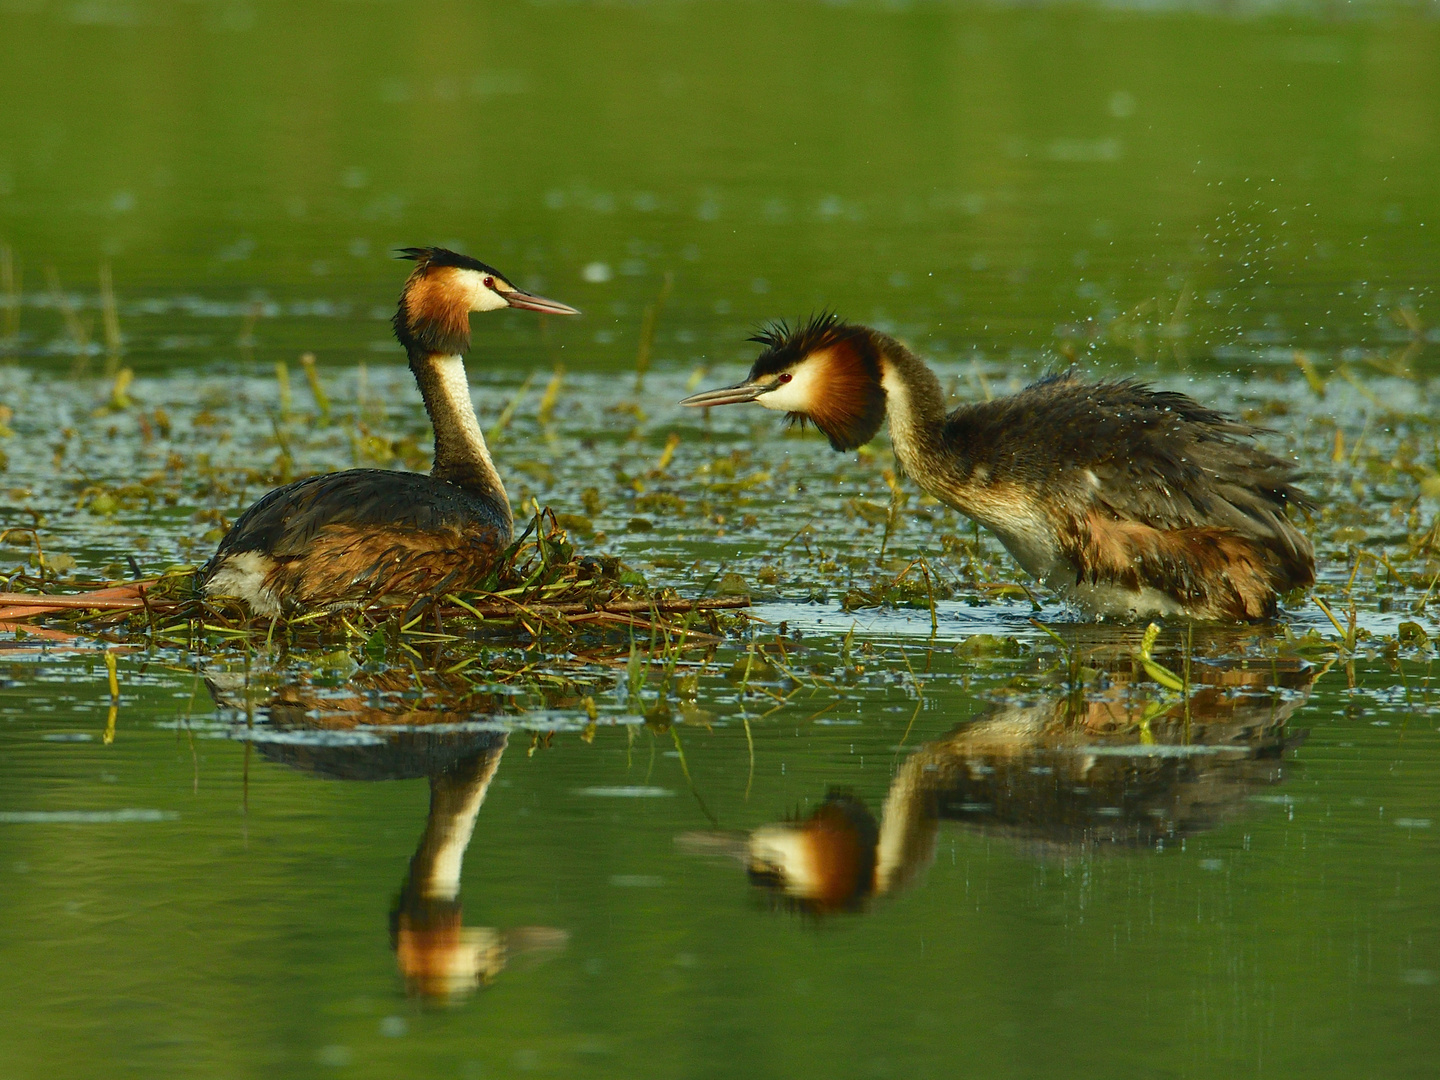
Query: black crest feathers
[
  {"x": 426, "y": 257},
  {"x": 785, "y": 345}
]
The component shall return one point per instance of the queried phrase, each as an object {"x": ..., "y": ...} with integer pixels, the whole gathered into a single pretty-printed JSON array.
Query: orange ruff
[{"x": 437, "y": 295}]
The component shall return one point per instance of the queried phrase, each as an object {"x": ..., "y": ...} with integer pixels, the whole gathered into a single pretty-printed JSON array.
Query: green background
[{"x": 980, "y": 178}]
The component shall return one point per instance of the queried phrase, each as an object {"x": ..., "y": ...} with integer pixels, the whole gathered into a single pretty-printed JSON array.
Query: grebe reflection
[
  {"x": 1055, "y": 779},
  {"x": 341, "y": 734}
]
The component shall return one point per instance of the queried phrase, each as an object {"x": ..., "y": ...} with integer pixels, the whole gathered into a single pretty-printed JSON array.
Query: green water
[
  {"x": 980, "y": 178},
  {"x": 1104, "y": 891}
]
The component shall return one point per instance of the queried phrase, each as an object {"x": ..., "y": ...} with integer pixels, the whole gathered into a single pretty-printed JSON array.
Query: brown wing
[
  {"x": 367, "y": 533},
  {"x": 349, "y": 563},
  {"x": 1151, "y": 488}
]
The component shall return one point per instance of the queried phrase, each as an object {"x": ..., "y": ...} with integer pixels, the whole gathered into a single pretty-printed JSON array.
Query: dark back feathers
[{"x": 284, "y": 522}]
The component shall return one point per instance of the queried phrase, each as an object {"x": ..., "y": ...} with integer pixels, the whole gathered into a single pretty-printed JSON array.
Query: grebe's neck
[
  {"x": 914, "y": 404},
  {"x": 909, "y": 824},
  {"x": 461, "y": 456},
  {"x": 455, "y": 800}
]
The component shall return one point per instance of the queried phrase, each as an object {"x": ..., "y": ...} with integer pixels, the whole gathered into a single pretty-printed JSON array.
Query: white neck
[
  {"x": 453, "y": 414},
  {"x": 915, "y": 410},
  {"x": 900, "y": 415},
  {"x": 461, "y": 455},
  {"x": 454, "y": 804}
]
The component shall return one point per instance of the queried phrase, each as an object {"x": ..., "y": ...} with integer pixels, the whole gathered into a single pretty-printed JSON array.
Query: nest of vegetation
[{"x": 541, "y": 588}]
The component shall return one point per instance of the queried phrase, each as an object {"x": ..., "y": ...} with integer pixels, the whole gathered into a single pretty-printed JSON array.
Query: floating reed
[
  {"x": 312, "y": 376},
  {"x": 10, "y": 294},
  {"x": 110, "y": 322},
  {"x": 76, "y": 328},
  {"x": 507, "y": 414},
  {"x": 550, "y": 396},
  {"x": 647, "y": 330},
  {"x": 282, "y": 376}
]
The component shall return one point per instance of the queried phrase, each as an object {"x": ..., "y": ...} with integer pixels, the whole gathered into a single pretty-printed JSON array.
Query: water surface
[{"x": 1039, "y": 860}]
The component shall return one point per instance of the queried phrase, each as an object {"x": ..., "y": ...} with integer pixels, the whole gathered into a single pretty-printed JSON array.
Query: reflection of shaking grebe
[
  {"x": 1121, "y": 772},
  {"x": 333, "y": 735},
  {"x": 1128, "y": 500}
]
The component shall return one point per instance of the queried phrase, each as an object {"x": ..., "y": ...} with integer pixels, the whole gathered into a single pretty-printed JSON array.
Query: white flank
[
  {"x": 1114, "y": 602},
  {"x": 243, "y": 576},
  {"x": 1028, "y": 539}
]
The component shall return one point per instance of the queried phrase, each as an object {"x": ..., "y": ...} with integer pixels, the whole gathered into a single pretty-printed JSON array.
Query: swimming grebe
[
  {"x": 1130, "y": 502},
  {"x": 359, "y": 535}
]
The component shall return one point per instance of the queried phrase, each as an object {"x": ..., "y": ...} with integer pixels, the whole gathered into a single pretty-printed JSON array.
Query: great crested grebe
[
  {"x": 353, "y": 536},
  {"x": 1130, "y": 502}
]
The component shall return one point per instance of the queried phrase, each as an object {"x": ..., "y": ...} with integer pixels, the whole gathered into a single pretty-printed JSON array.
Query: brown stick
[
  {"x": 129, "y": 598},
  {"x": 617, "y": 607},
  {"x": 115, "y": 598},
  {"x": 44, "y": 633},
  {"x": 83, "y": 600}
]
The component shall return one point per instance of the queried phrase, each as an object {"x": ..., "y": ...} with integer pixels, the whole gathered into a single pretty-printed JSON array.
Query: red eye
[
  {"x": 489, "y": 282},
  {"x": 785, "y": 377}
]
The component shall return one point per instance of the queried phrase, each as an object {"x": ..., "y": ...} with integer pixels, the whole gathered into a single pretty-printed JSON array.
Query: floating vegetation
[
  {"x": 138, "y": 478},
  {"x": 541, "y": 588}
]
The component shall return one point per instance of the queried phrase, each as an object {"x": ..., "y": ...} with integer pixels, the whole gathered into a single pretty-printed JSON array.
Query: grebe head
[
  {"x": 435, "y": 306},
  {"x": 439, "y": 958},
  {"x": 824, "y": 371},
  {"x": 823, "y": 864}
]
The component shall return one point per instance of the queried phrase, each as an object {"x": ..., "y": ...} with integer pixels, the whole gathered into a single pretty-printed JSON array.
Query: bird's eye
[
  {"x": 489, "y": 282},
  {"x": 784, "y": 378}
]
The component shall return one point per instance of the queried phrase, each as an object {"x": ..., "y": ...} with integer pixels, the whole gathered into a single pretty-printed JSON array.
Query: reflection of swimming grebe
[
  {"x": 357, "y": 535},
  {"x": 1127, "y": 500},
  {"x": 1120, "y": 773},
  {"x": 439, "y": 957}
]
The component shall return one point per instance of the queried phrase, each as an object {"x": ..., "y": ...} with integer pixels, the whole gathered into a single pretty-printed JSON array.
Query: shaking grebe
[
  {"x": 360, "y": 535},
  {"x": 1130, "y": 502}
]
